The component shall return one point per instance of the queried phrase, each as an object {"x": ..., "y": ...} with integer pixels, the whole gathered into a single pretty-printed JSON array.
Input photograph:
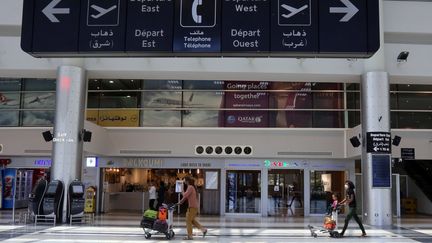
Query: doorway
[
  {"x": 322, "y": 185},
  {"x": 285, "y": 193},
  {"x": 243, "y": 192}
]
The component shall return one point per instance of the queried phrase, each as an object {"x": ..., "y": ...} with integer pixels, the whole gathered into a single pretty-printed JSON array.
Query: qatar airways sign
[{"x": 248, "y": 97}]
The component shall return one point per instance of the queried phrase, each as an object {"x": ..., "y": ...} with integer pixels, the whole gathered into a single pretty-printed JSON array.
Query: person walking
[
  {"x": 152, "y": 195},
  {"x": 161, "y": 194},
  {"x": 191, "y": 196},
  {"x": 352, "y": 205}
]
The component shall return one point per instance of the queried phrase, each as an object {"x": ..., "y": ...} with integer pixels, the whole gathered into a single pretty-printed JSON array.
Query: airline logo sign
[{"x": 334, "y": 28}]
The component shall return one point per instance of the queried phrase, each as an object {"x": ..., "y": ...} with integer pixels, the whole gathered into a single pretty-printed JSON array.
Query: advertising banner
[
  {"x": 119, "y": 118},
  {"x": 247, "y": 96},
  {"x": 114, "y": 118},
  {"x": 296, "y": 97},
  {"x": 9, "y": 176},
  {"x": 203, "y": 98}
]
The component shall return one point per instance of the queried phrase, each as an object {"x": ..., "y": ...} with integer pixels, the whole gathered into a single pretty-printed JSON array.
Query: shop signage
[
  {"x": 43, "y": 162},
  {"x": 407, "y": 153},
  {"x": 5, "y": 162},
  {"x": 243, "y": 165},
  {"x": 294, "y": 28},
  {"x": 282, "y": 164},
  {"x": 1, "y": 148},
  {"x": 378, "y": 142},
  {"x": 91, "y": 162},
  {"x": 196, "y": 165},
  {"x": 143, "y": 163}
]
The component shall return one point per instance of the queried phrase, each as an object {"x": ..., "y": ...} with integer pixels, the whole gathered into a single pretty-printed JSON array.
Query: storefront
[
  {"x": 128, "y": 179},
  {"x": 267, "y": 187},
  {"x": 18, "y": 176},
  {"x": 303, "y": 187}
]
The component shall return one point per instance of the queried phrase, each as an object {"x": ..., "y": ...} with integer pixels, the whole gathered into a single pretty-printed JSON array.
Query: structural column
[
  {"x": 375, "y": 111},
  {"x": 68, "y": 127}
]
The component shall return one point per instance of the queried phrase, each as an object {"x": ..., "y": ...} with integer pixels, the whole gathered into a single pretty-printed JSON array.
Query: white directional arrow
[
  {"x": 375, "y": 149},
  {"x": 349, "y": 10},
  {"x": 49, "y": 11}
]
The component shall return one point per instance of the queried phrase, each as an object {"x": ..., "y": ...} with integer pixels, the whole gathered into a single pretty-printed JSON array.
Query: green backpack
[{"x": 150, "y": 214}]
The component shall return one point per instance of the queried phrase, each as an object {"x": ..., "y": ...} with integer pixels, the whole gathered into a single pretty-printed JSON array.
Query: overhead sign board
[
  {"x": 343, "y": 24},
  {"x": 102, "y": 26},
  {"x": 248, "y": 27},
  {"x": 292, "y": 28},
  {"x": 197, "y": 26},
  {"x": 56, "y": 26},
  {"x": 150, "y": 26},
  {"x": 407, "y": 153},
  {"x": 378, "y": 142}
]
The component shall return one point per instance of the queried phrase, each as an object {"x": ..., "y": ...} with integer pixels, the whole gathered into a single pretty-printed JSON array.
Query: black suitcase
[{"x": 147, "y": 222}]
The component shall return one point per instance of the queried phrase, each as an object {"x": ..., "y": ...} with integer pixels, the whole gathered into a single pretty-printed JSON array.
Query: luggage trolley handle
[{"x": 171, "y": 209}]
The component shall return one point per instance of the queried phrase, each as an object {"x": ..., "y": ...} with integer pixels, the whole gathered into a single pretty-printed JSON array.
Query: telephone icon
[
  {"x": 197, "y": 13},
  {"x": 196, "y": 17}
]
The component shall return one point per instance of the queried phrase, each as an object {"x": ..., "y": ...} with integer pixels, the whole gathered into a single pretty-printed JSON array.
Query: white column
[
  {"x": 69, "y": 122},
  {"x": 375, "y": 111}
]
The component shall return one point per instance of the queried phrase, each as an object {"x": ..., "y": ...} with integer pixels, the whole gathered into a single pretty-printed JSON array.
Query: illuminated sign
[
  {"x": 282, "y": 164},
  {"x": 43, "y": 162},
  {"x": 62, "y": 137},
  {"x": 243, "y": 165},
  {"x": 91, "y": 162}
]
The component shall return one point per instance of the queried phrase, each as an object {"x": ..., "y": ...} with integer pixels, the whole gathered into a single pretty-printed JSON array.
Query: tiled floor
[{"x": 123, "y": 227}]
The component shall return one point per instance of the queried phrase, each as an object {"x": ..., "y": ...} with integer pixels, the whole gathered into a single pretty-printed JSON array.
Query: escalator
[{"x": 421, "y": 172}]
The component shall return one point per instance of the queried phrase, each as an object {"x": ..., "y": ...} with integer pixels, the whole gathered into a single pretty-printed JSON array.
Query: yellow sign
[
  {"x": 114, "y": 118},
  {"x": 92, "y": 116}
]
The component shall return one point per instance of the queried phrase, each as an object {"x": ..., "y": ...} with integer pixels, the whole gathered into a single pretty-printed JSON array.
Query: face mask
[{"x": 346, "y": 186}]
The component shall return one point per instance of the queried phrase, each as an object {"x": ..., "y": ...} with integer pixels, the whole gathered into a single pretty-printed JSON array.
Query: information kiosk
[
  {"x": 53, "y": 201},
  {"x": 76, "y": 202},
  {"x": 35, "y": 198}
]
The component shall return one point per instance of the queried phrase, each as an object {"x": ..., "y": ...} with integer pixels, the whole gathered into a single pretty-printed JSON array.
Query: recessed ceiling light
[
  {"x": 111, "y": 82},
  {"x": 128, "y": 96}
]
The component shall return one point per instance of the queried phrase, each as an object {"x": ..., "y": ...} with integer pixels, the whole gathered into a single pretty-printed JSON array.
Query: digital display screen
[
  {"x": 77, "y": 189},
  {"x": 52, "y": 189}
]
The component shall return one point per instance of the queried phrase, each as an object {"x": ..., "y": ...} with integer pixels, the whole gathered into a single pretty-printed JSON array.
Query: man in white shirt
[{"x": 152, "y": 195}]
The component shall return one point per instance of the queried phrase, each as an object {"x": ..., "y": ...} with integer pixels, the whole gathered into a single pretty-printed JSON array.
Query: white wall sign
[
  {"x": 211, "y": 180},
  {"x": 179, "y": 186},
  {"x": 91, "y": 162}
]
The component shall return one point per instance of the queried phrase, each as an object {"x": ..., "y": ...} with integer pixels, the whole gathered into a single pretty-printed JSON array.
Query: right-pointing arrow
[
  {"x": 349, "y": 10},
  {"x": 49, "y": 11}
]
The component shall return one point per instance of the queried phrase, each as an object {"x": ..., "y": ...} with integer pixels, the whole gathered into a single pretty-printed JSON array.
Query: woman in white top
[{"x": 152, "y": 195}]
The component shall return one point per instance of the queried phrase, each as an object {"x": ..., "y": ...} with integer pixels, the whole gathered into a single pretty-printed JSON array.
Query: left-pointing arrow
[
  {"x": 349, "y": 10},
  {"x": 50, "y": 10}
]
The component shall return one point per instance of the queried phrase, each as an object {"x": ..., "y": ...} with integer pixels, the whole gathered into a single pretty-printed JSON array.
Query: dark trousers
[
  {"x": 151, "y": 204},
  {"x": 352, "y": 213}
]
